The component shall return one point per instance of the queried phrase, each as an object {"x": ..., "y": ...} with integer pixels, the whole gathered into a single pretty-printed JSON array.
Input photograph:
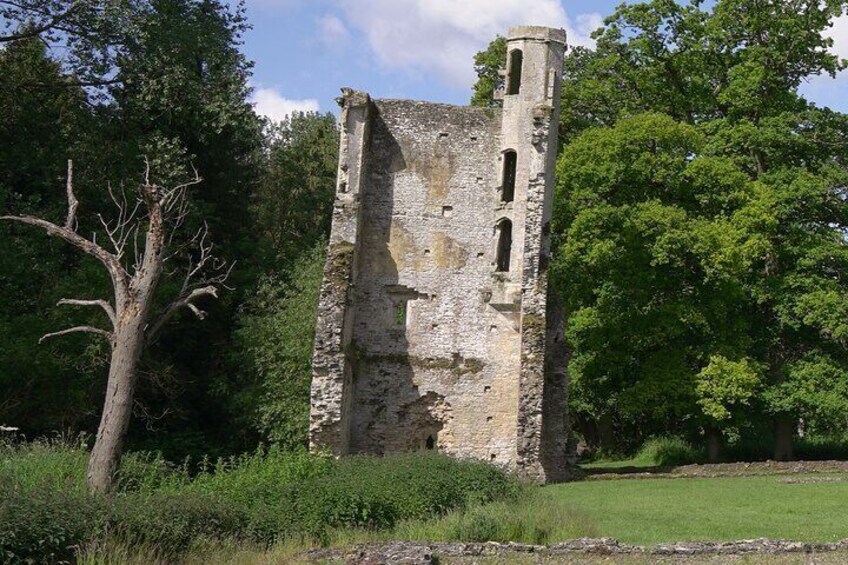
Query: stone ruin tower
[{"x": 432, "y": 331}]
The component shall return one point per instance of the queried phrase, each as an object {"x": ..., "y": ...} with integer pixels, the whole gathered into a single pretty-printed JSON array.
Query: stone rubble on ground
[{"x": 417, "y": 553}]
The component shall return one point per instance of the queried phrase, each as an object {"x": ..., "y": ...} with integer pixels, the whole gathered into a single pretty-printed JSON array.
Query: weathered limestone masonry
[{"x": 432, "y": 330}]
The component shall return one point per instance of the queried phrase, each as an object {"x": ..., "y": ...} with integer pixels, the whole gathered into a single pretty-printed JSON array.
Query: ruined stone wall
[
  {"x": 332, "y": 370},
  {"x": 423, "y": 340},
  {"x": 434, "y": 362}
]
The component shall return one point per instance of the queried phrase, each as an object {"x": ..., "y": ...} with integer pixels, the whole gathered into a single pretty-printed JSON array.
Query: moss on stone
[
  {"x": 470, "y": 365},
  {"x": 533, "y": 330},
  {"x": 339, "y": 261},
  {"x": 459, "y": 365}
]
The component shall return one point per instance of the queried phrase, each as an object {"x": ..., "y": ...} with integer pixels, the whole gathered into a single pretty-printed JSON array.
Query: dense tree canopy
[
  {"x": 699, "y": 223},
  {"x": 166, "y": 80},
  {"x": 700, "y": 220}
]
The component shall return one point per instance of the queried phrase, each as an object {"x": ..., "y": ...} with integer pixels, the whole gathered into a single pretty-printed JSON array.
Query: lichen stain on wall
[
  {"x": 447, "y": 253},
  {"x": 403, "y": 249},
  {"x": 436, "y": 168}
]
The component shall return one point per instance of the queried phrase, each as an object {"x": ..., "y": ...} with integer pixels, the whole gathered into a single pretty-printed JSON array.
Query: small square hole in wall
[
  {"x": 493, "y": 329},
  {"x": 487, "y": 389},
  {"x": 434, "y": 326},
  {"x": 426, "y": 253},
  {"x": 481, "y": 255},
  {"x": 473, "y": 138},
  {"x": 489, "y": 418},
  {"x": 479, "y": 180},
  {"x": 447, "y": 211},
  {"x": 493, "y": 457},
  {"x": 443, "y": 134}
]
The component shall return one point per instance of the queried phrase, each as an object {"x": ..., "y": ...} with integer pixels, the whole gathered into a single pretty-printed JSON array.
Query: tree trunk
[
  {"x": 715, "y": 444},
  {"x": 606, "y": 435},
  {"x": 784, "y": 429},
  {"x": 117, "y": 409}
]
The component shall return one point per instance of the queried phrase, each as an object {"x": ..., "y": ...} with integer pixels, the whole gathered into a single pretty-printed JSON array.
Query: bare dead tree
[{"x": 143, "y": 243}]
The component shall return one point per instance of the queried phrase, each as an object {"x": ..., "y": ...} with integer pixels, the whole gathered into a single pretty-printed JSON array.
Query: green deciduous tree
[
  {"x": 488, "y": 65},
  {"x": 294, "y": 200},
  {"x": 701, "y": 214},
  {"x": 275, "y": 347}
]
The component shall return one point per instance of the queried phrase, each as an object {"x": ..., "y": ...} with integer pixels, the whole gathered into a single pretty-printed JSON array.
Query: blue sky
[{"x": 306, "y": 50}]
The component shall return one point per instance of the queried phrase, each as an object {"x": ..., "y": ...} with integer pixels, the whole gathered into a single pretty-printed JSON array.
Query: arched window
[
  {"x": 516, "y": 58},
  {"x": 510, "y": 160},
  {"x": 504, "y": 245}
]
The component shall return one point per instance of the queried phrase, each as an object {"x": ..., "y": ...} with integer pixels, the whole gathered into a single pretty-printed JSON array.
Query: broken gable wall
[{"x": 435, "y": 367}]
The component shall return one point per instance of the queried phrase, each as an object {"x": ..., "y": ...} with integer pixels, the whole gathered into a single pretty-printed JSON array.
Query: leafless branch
[
  {"x": 37, "y": 30},
  {"x": 110, "y": 261},
  {"x": 78, "y": 329},
  {"x": 150, "y": 419},
  {"x": 101, "y": 303},
  {"x": 185, "y": 301},
  {"x": 73, "y": 203},
  {"x": 71, "y": 83}
]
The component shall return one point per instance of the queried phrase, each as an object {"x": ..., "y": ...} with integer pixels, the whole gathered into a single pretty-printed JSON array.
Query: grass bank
[
  {"x": 269, "y": 506},
  {"x": 255, "y": 501}
]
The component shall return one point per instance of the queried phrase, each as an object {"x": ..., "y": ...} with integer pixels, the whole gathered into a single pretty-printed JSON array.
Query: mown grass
[
  {"x": 662, "y": 510},
  {"x": 642, "y": 512}
]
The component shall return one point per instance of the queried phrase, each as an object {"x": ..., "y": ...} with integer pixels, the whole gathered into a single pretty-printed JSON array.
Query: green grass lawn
[
  {"x": 662, "y": 510},
  {"x": 642, "y": 512},
  {"x": 650, "y": 511}
]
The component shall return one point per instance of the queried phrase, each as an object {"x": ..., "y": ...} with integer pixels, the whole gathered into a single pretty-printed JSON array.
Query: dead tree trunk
[
  {"x": 715, "y": 444},
  {"x": 117, "y": 409},
  {"x": 135, "y": 285}
]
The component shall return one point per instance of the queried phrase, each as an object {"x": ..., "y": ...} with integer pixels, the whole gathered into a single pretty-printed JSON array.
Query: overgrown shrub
[
  {"x": 259, "y": 476},
  {"x": 376, "y": 493},
  {"x": 533, "y": 518},
  {"x": 149, "y": 472},
  {"x": 43, "y": 522},
  {"x": 42, "y": 463},
  {"x": 668, "y": 451},
  {"x": 171, "y": 521},
  {"x": 271, "y": 495}
]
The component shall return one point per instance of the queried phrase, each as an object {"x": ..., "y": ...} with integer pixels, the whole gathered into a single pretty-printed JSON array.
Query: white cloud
[
  {"x": 442, "y": 36},
  {"x": 332, "y": 32},
  {"x": 273, "y": 4},
  {"x": 827, "y": 91},
  {"x": 270, "y": 103},
  {"x": 839, "y": 34}
]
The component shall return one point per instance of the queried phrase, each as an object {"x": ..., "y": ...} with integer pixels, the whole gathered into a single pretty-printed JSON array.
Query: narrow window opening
[
  {"x": 504, "y": 245},
  {"x": 431, "y": 443},
  {"x": 516, "y": 59},
  {"x": 510, "y": 161}
]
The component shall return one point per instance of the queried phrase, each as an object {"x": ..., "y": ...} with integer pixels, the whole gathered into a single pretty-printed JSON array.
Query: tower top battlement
[{"x": 537, "y": 33}]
